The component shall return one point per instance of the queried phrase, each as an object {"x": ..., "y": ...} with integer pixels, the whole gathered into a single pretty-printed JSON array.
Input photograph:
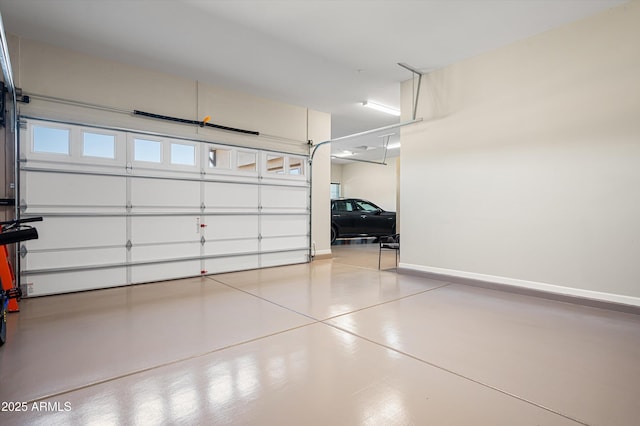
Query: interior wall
[
  {"x": 46, "y": 70},
  {"x": 373, "y": 182},
  {"x": 320, "y": 130},
  {"x": 336, "y": 173},
  {"x": 41, "y": 69},
  {"x": 525, "y": 170}
]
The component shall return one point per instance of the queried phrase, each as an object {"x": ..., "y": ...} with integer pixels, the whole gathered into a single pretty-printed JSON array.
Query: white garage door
[{"x": 121, "y": 207}]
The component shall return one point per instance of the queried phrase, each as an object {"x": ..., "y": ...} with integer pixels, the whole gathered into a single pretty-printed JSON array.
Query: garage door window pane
[
  {"x": 97, "y": 145},
  {"x": 150, "y": 151},
  {"x": 295, "y": 166},
  {"x": 219, "y": 158},
  {"x": 50, "y": 140},
  {"x": 246, "y": 161},
  {"x": 275, "y": 164},
  {"x": 183, "y": 154}
]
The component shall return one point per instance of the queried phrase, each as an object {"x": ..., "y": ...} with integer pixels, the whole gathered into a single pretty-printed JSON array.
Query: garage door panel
[
  {"x": 230, "y": 264},
  {"x": 231, "y": 247},
  {"x": 237, "y": 226},
  {"x": 274, "y": 226},
  {"x": 285, "y": 243},
  {"x": 70, "y": 190},
  {"x": 164, "y": 252},
  {"x": 164, "y": 229},
  {"x": 75, "y": 258},
  {"x": 164, "y": 271},
  {"x": 76, "y": 232},
  {"x": 108, "y": 200},
  {"x": 165, "y": 193},
  {"x": 284, "y": 198},
  {"x": 228, "y": 196},
  {"x": 67, "y": 282},
  {"x": 287, "y": 258}
]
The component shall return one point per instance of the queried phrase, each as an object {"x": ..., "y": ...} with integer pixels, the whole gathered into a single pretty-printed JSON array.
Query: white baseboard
[
  {"x": 322, "y": 253},
  {"x": 530, "y": 285}
]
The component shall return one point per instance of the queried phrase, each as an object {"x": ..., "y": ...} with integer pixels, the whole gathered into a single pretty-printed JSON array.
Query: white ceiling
[{"x": 327, "y": 55}]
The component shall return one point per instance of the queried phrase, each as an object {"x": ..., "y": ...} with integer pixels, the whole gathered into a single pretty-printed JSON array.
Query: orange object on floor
[{"x": 7, "y": 277}]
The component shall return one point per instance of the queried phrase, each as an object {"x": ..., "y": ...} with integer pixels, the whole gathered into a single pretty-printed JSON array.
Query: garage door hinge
[
  {"x": 129, "y": 245},
  {"x": 129, "y": 168},
  {"x": 202, "y": 240},
  {"x": 129, "y": 207},
  {"x": 259, "y": 237},
  {"x": 23, "y": 251},
  {"x": 202, "y": 206}
]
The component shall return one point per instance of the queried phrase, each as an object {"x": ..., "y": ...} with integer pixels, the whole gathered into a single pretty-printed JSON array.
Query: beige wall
[
  {"x": 320, "y": 130},
  {"x": 336, "y": 173},
  {"x": 526, "y": 168},
  {"x": 46, "y": 70},
  {"x": 373, "y": 182}
]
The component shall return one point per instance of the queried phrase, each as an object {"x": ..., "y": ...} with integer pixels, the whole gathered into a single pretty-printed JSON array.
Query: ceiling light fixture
[
  {"x": 344, "y": 154},
  {"x": 393, "y": 145},
  {"x": 383, "y": 108}
]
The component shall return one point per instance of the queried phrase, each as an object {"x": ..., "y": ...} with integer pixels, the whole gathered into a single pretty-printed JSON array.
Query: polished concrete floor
[{"x": 334, "y": 342}]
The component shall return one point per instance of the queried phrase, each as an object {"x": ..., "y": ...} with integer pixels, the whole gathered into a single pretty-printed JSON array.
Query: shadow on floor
[{"x": 363, "y": 252}]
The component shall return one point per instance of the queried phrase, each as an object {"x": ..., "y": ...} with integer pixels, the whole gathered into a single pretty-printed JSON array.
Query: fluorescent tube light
[
  {"x": 393, "y": 145},
  {"x": 382, "y": 108}
]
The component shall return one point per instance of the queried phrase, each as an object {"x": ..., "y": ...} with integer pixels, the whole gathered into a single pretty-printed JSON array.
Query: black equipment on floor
[{"x": 13, "y": 231}]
